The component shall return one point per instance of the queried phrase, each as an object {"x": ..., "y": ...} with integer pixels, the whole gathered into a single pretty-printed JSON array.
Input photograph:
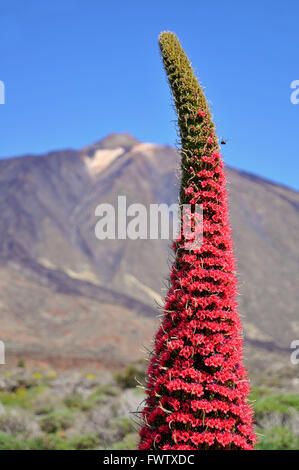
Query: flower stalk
[{"x": 197, "y": 385}]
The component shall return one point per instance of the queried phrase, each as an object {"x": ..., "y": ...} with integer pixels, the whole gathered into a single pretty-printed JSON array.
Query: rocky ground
[{"x": 87, "y": 410}]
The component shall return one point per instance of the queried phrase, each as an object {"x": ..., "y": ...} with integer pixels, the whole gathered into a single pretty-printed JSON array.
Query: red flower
[
  {"x": 197, "y": 385},
  {"x": 189, "y": 190}
]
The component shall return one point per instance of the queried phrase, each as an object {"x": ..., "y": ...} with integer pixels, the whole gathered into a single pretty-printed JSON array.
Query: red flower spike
[{"x": 197, "y": 386}]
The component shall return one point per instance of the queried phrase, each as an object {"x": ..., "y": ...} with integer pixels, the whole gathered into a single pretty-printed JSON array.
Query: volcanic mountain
[{"x": 67, "y": 297}]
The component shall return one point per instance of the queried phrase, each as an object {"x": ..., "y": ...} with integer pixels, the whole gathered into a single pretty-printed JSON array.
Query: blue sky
[{"x": 77, "y": 70}]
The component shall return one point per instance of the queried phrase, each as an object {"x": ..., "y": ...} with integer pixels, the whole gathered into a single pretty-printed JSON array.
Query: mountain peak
[{"x": 113, "y": 140}]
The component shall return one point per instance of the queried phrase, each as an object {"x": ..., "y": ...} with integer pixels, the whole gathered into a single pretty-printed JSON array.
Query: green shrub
[
  {"x": 49, "y": 442},
  {"x": 107, "y": 389},
  {"x": 123, "y": 426},
  {"x": 267, "y": 402},
  {"x": 128, "y": 443},
  {"x": 76, "y": 402},
  {"x": 21, "y": 364},
  {"x": 56, "y": 421},
  {"x": 86, "y": 441},
  {"x": 129, "y": 377},
  {"x": 21, "y": 397},
  {"x": 278, "y": 438},
  {"x": 8, "y": 442},
  {"x": 44, "y": 410},
  {"x": 100, "y": 395}
]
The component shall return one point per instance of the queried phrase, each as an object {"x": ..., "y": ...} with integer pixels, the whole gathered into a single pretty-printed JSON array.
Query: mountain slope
[{"x": 66, "y": 296}]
